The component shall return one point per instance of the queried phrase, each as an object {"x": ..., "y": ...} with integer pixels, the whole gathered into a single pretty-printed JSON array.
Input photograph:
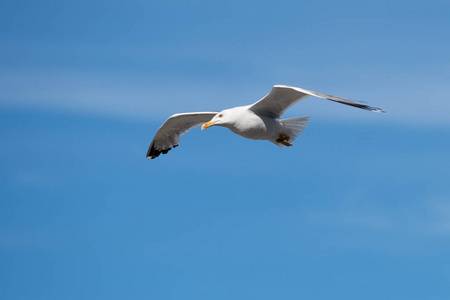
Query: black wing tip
[
  {"x": 153, "y": 153},
  {"x": 372, "y": 108},
  {"x": 351, "y": 102},
  {"x": 361, "y": 105}
]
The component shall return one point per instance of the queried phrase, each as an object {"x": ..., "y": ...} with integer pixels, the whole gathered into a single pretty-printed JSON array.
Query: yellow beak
[{"x": 207, "y": 124}]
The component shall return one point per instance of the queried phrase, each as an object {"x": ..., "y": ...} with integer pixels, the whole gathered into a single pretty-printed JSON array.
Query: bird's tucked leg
[{"x": 284, "y": 139}]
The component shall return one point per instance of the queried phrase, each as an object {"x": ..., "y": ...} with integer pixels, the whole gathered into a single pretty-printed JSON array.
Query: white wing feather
[
  {"x": 281, "y": 97},
  {"x": 168, "y": 135}
]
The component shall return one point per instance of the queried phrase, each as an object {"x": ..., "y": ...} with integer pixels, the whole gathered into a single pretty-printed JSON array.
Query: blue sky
[{"x": 359, "y": 208}]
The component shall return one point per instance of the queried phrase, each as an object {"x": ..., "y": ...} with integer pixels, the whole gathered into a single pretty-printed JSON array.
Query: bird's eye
[{"x": 220, "y": 116}]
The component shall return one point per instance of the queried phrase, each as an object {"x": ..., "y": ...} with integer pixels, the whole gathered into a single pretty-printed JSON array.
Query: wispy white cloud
[
  {"x": 147, "y": 97},
  {"x": 21, "y": 239},
  {"x": 106, "y": 94},
  {"x": 360, "y": 219},
  {"x": 439, "y": 216},
  {"x": 353, "y": 210},
  {"x": 28, "y": 179},
  {"x": 430, "y": 217},
  {"x": 162, "y": 87}
]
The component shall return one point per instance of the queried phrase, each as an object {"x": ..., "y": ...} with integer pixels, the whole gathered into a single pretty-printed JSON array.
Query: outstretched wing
[
  {"x": 281, "y": 97},
  {"x": 168, "y": 135}
]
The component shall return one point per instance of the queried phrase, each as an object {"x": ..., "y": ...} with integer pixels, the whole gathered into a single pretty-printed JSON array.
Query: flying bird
[{"x": 257, "y": 121}]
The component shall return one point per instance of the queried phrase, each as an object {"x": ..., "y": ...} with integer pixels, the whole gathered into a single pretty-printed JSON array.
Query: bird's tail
[{"x": 294, "y": 127}]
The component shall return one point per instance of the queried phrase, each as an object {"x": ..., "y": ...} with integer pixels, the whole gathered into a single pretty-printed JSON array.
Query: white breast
[{"x": 252, "y": 126}]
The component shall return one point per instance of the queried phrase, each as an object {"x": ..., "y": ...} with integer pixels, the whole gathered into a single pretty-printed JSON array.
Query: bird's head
[{"x": 223, "y": 118}]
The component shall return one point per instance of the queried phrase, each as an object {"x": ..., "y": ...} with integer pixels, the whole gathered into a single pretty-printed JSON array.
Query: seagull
[{"x": 258, "y": 121}]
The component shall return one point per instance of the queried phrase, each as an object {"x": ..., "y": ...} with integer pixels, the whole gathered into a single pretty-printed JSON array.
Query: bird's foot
[{"x": 284, "y": 139}]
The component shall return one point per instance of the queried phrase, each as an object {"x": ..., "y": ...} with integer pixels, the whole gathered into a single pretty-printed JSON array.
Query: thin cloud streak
[
  {"x": 150, "y": 98},
  {"x": 151, "y": 82},
  {"x": 439, "y": 211},
  {"x": 429, "y": 218},
  {"x": 13, "y": 239}
]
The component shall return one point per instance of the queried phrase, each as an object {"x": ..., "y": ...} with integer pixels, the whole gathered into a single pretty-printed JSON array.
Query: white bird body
[
  {"x": 257, "y": 128},
  {"x": 259, "y": 121},
  {"x": 246, "y": 123}
]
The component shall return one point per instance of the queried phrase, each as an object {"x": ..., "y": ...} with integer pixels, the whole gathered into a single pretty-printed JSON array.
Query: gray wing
[
  {"x": 168, "y": 135},
  {"x": 281, "y": 97}
]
